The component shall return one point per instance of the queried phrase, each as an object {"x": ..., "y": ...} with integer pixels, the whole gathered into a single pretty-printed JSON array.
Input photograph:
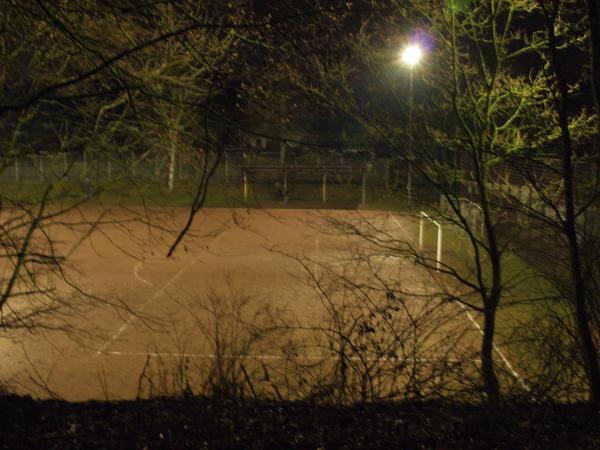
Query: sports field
[{"x": 264, "y": 299}]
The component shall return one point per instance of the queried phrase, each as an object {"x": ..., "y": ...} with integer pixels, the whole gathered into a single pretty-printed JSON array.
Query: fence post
[
  {"x": 245, "y": 187},
  {"x": 364, "y": 188},
  {"x": 156, "y": 174},
  {"x": 421, "y": 226},
  {"x": 179, "y": 159},
  {"x": 409, "y": 188},
  {"x": 387, "y": 169},
  {"x": 439, "y": 247}
]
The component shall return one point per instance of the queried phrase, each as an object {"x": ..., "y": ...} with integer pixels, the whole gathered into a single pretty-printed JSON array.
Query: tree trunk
[
  {"x": 490, "y": 299},
  {"x": 590, "y": 354},
  {"x": 172, "y": 160},
  {"x": 490, "y": 380},
  {"x": 593, "y": 11},
  {"x": 282, "y": 149},
  {"x": 594, "y": 18},
  {"x": 172, "y": 163}
]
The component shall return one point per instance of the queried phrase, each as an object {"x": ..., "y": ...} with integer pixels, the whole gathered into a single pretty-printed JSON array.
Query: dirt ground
[{"x": 236, "y": 280}]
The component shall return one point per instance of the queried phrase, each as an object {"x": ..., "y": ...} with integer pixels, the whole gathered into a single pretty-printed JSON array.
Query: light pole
[{"x": 411, "y": 55}]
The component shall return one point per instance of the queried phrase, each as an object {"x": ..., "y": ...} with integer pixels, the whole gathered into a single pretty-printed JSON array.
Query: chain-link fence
[
  {"x": 35, "y": 168},
  {"x": 346, "y": 178}
]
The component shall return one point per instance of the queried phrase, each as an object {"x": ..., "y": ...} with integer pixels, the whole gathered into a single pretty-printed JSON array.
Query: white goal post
[{"x": 422, "y": 216}]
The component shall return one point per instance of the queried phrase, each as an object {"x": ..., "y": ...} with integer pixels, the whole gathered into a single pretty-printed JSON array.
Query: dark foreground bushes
[{"x": 210, "y": 423}]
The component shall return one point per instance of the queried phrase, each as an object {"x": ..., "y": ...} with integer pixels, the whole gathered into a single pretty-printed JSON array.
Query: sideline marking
[
  {"x": 500, "y": 353},
  {"x": 132, "y": 316},
  {"x": 474, "y": 322},
  {"x": 284, "y": 357}
]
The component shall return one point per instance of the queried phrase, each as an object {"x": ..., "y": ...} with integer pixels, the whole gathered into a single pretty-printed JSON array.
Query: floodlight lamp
[{"x": 411, "y": 55}]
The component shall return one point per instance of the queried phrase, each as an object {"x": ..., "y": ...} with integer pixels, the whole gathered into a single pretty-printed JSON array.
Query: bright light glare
[{"x": 411, "y": 55}]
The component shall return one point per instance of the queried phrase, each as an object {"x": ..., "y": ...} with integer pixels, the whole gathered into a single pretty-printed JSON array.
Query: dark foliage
[{"x": 224, "y": 423}]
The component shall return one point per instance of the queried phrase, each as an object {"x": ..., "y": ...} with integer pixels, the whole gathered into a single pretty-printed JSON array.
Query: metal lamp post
[{"x": 411, "y": 55}]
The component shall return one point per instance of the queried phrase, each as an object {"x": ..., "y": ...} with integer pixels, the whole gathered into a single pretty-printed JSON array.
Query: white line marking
[
  {"x": 137, "y": 275},
  {"x": 132, "y": 316},
  {"x": 402, "y": 229},
  {"x": 284, "y": 357},
  {"x": 500, "y": 353},
  {"x": 474, "y": 322}
]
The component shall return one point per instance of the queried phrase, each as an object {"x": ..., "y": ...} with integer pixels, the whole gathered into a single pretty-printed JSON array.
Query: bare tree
[
  {"x": 461, "y": 123},
  {"x": 574, "y": 198}
]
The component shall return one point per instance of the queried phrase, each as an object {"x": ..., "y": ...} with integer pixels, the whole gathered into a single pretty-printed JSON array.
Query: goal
[{"x": 423, "y": 217}]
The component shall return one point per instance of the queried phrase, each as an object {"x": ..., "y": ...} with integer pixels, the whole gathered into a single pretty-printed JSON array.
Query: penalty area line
[
  {"x": 137, "y": 275},
  {"x": 131, "y": 317}
]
